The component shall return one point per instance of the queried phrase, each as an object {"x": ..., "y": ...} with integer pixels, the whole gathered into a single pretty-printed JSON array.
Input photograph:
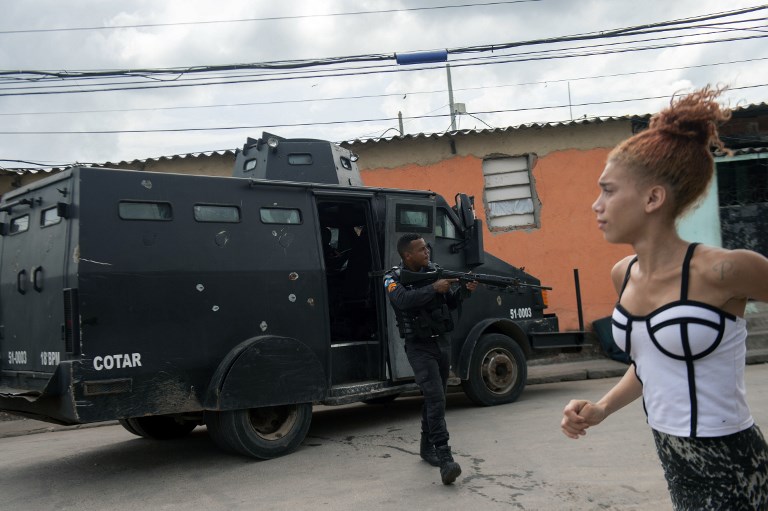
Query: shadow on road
[{"x": 151, "y": 458}]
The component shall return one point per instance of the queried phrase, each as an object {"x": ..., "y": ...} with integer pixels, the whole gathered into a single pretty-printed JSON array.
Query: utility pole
[
  {"x": 450, "y": 97},
  {"x": 426, "y": 57},
  {"x": 400, "y": 122}
]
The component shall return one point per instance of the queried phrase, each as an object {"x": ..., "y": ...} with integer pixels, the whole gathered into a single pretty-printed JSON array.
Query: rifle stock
[{"x": 424, "y": 278}]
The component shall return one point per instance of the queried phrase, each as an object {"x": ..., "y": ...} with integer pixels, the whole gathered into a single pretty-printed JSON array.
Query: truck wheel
[
  {"x": 159, "y": 427},
  {"x": 262, "y": 433},
  {"x": 497, "y": 371},
  {"x": 127, "y": 425}
]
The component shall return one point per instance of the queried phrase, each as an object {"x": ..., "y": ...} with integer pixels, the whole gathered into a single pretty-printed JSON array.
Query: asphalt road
[{"x": 362, "y": 457}]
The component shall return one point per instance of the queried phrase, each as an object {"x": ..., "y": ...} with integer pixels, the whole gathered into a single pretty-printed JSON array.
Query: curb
[{"x": 22, "y": 426}]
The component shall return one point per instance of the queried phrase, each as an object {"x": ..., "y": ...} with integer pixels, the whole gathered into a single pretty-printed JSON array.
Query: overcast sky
[{"x": 361, "y": 100}]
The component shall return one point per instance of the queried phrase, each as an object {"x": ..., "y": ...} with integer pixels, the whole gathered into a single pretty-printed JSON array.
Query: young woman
[{"x": 680, "y": 314}]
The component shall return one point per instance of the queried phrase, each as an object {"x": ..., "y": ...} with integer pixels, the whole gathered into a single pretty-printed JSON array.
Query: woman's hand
[{"x": 579, "y": 415}]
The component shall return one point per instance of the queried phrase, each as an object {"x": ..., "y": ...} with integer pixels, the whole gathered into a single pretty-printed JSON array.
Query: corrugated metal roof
[
  {"x": 132, "y": 163},
  {"x": 738, "y": 111},
  {"x": 203, "y": 154},
  {"x": 750, "y": 150},
  {"x": 532, "y": 125}
]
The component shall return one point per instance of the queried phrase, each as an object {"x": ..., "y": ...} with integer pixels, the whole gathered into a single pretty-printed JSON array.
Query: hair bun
[{"x": 695, "y": 116}]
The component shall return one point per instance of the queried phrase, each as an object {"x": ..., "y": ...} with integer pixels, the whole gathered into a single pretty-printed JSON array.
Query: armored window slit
[
  {"x": 100, "y": 387},
  {"x": 71, "y": 322}
]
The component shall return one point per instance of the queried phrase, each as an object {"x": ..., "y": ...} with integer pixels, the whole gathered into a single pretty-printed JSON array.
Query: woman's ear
[{"x": 655, "y": 198}]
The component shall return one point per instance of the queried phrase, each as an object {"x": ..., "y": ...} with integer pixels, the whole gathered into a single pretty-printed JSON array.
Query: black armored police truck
[{"x": 168, "y": 301}]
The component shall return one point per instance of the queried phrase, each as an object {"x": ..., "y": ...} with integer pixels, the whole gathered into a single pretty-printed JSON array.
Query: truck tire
[
  {"x": 497, "y": 371},
  {"x": 262, "y": 433},
  {"x": 158, "y": 427},
  {"x": 127, "y": 425}
]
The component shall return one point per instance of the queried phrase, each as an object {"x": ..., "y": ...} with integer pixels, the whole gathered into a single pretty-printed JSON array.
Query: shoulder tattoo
[{"x": 723, "y": 268}]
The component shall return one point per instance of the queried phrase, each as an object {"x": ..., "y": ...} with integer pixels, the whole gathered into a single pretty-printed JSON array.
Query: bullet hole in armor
[{"x": 222, "y": 238}]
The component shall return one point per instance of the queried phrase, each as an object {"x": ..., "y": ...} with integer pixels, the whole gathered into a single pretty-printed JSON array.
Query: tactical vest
[{"x": 433, "y": 319}]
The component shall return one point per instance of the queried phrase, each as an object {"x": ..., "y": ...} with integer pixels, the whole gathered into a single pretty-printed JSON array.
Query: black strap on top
[
  {"x": 686, "y": 271},
  {"x": 626, "y": 277}
]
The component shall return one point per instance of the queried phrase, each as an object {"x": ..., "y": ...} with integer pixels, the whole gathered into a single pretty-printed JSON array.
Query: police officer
[{"x": 423, "y": 319}]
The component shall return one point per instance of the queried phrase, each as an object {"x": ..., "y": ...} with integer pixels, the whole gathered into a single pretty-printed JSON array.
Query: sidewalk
[{"x": 586, "y": 369}]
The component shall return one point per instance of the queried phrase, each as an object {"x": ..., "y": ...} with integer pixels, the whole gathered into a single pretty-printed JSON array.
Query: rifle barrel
[{"x": 482, "y": 278}]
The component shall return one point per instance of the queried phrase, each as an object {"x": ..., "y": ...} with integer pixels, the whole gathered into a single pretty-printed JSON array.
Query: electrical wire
[
  {"x": 347, "y": 121},
  {"x": 392, "y": 69},
  {"x": 373, "y": 96},
  {"x": 271, "y": 18},
  {"x": 297, "y": 64}
]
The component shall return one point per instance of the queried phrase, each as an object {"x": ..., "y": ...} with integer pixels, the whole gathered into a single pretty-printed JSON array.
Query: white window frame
[{"x": 509, "y": 193}]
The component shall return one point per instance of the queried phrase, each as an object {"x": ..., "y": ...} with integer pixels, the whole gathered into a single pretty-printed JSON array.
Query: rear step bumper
[
  {"x": 550, "y": 340},
  {"x": 54, "y": 403}
]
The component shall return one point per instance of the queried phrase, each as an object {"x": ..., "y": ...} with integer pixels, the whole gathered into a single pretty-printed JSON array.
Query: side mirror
[{"x": 465, "y": 211}]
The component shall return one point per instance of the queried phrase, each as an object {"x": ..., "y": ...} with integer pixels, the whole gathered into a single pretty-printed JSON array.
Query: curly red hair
[{"x": 675, "y": 150}]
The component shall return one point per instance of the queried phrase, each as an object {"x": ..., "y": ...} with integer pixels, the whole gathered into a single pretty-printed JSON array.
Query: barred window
[
  {"x": 509, "y": 194},
  {"x": 742, "y": 184}
]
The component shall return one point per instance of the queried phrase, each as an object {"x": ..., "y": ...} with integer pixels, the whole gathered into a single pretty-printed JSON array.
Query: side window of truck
[
  {"x": 280, "y": 216},
  {"x": 444, "y": 226},
  {"x": 216, "y": 213},
  {"x": 134, "y": 210},
  {"x": 49, "y": 216},
  {"x": 413, "y": 218},
  {"x": 19, "y": 224}
]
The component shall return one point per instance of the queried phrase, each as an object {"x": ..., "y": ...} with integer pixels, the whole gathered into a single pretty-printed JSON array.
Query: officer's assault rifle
[{"x": 428, "y": 277}]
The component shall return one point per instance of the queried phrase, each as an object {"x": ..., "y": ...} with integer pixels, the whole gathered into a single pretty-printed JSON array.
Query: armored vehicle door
[
  {"x": 404, "y": 214},
  {"x": 33, "y": 277},
  {"x": 448, "y": 247}
]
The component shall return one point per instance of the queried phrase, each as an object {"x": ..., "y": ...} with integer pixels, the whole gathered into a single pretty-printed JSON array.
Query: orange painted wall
[{"x": 566, "y": 183}]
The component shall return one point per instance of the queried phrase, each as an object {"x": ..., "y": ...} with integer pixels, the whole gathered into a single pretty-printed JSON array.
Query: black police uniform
[{"x": 423, "y": 319}]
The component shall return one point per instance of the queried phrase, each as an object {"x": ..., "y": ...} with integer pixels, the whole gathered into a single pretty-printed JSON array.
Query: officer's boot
[
  {"x": 449, "y": 469},
  {"x": 427, "y": 451}
]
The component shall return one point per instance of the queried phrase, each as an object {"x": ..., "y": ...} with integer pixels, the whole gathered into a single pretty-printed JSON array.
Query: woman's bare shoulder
[
  {"x": 742, "y": 271},
  {"x": 618, "y": 272}
]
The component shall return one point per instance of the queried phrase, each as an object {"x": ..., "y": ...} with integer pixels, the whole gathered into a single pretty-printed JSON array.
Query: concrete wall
[
  {"x": 10, "y": 181},
  {"x": 569, "y": 160}
]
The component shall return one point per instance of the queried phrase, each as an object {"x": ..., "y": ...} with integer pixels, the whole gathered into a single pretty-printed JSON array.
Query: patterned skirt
[{"x": 720, "y": 473}]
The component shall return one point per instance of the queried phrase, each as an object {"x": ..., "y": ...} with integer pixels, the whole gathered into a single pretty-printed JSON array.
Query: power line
[
  {"x": 298, "y": 64},
  {"x": 283, "y": 74},
  {"x": 391, "y": 69},
  {"x": 271, "y": 18},
  {"x": 349, "y": 121},
  {"x": 373, "y": 96}
]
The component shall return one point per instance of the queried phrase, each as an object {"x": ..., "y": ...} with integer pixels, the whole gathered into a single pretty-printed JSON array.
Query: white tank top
[{"x": 690, "y": 358}]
